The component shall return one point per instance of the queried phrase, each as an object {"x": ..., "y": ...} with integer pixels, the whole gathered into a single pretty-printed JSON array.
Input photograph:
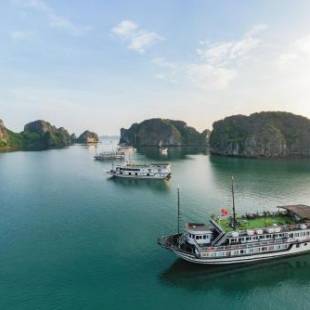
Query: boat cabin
[{"x": 198, "y": 234}]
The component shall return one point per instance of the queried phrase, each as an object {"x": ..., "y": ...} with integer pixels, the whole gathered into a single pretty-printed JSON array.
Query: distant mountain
[
  {"x": 162, "y": 132},
  {"x": 36, "y": 135},
  {"x": 265, "y": 134},
  {"x": 88, "y": 137}
]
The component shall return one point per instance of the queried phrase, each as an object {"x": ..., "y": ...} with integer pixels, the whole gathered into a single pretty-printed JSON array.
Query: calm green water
[{"x": 72, "y": 239}]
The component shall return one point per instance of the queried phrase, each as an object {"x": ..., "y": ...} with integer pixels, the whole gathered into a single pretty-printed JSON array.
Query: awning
[{"x": 302, "y": 211}]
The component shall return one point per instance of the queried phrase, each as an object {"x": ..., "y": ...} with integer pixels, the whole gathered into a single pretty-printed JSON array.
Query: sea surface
[{"x": 71, "y": 238}]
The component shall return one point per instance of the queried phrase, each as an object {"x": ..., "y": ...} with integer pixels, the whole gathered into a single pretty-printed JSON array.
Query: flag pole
[
  {"x": 178, "y": 213},
  {"x": 233, "y": 200}
]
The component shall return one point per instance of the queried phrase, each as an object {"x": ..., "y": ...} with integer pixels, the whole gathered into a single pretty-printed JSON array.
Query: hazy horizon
[{"x": 105, "y": 65}]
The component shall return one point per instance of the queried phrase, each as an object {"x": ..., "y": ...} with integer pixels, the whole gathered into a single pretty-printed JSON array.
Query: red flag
[{"x": 224, "y": 212}]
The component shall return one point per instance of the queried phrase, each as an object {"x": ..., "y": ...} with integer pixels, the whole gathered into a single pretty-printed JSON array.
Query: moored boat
[
  {"x": 249, "y": 238},
  {"x": 110, "y": 155},
  {"x": 142, "y": 171},
  {"x": 163, "y": 151}
]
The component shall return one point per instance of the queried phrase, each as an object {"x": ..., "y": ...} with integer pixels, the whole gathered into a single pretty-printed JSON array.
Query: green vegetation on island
[
  {"x": 162, "y": 132},
  {"x": 37, "y": 135},
  {"x": 88, "y": 137},
  {"x": 265, "y": 134}
]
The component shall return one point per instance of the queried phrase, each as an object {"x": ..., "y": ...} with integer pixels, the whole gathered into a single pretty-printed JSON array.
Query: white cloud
[
  {"x": 137, "y": 38},
  {"x": 217, "y": 64},
  {"x": 125, "y": 29},
  {"x": 172, "y": 70},
  {"x": 54, "y": 20},
  {"x": 220, "y": 61},
  {"x": 144, "y": 40},
  {"x": 21, "y": 35},
  {"x": 210, "y": 77},
  {"x": 162, "y": 62},
  {"x": 221, "y": 53},
  {"x": 297, "y": 55}
]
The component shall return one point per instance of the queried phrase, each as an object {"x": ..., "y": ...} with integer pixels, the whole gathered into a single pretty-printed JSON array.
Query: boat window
[
  {"x": 204, "y": 237},
  {"x": 306, "y": 243},
  {"x": 136, "y": 173},
  {"x": 291, "y": 235}
]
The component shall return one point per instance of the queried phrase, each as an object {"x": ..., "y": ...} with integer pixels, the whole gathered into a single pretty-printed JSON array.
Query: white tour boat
[
  {"x": 142, "y": 171},
  {"x": 251, "y": 238},
  {"x": 110, "y": 155}
]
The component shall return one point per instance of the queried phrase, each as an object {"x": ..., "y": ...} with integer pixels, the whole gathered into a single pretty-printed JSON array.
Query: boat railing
[
  {"x": 245, "y": 246},
  {"x": 284, "y": 228}
]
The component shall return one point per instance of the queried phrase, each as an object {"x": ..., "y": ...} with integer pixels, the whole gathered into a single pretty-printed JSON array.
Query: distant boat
[
  {"x": 142, "y": 171},
  {"x": 110, "y": 155},
  {"x": 163, "y": 150},
  {"x": 126, "y": 148}
]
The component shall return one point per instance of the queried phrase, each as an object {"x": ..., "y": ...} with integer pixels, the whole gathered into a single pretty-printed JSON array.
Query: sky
[{"x": 105, "y": 64}]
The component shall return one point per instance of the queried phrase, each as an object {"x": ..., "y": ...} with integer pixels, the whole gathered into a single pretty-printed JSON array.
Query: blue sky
[{"x": 102, "y": 65}]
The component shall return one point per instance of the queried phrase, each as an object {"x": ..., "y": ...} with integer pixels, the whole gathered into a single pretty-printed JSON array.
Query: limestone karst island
[{"x": 259, "y": 135}]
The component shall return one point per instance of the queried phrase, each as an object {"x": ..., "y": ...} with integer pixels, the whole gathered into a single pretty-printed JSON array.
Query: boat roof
[
  {"x": 302, "y": 211},
  {"x": 148, "y": 165},
  {"x": 196, "y": 227}
]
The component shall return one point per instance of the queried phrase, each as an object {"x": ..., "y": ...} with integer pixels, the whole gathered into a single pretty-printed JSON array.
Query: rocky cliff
[
  {"x": 162, "y": 132},
  {"x": 42, "y": 135},
  {"x": 8, "y": 139},
  {"x": 88, "y": 137},
  {"x": 265, "y": 134},
  {"x": 3, "y": 134},
  {"x": 36, "y": 135}
]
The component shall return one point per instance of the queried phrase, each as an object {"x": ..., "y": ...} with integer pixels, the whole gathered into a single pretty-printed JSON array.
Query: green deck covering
[{"x": 255, "y": 223}]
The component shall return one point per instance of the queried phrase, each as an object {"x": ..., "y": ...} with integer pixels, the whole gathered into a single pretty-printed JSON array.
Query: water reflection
[
  {"x": 245, "y": 278},
  {"x": 269, "y": 182},
  {"x": 173, "y": 152},
  {"x": 157, "y": 185}
]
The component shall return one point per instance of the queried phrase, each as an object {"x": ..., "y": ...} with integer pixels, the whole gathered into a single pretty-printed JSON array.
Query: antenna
[
  {"x": 233, "y": 200},
  {"x": 178, "y": 214}
]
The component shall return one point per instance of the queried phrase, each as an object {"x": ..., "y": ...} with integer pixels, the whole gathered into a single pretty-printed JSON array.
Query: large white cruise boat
[
  {"x": 250, "y": 238},
  {"x": 142, "y": 171}
]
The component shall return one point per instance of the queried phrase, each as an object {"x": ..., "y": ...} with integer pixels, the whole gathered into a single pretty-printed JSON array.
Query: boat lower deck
[{"x": 233, "y": 254}]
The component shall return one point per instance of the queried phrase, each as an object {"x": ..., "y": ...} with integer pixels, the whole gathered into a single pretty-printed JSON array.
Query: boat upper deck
[
  {"x": 252, "y": 222},
  {"x": 161, "y": 165}
]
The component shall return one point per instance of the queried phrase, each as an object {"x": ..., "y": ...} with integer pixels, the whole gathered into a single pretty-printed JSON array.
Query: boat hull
[
  {"x": 293, "y": 250},
  {"x": 142, "y": 177}
]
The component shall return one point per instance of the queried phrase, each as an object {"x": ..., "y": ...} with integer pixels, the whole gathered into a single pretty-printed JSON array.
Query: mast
[
  {"x": 233, "y": 200},
  {"x": 178, "y": 213}
]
